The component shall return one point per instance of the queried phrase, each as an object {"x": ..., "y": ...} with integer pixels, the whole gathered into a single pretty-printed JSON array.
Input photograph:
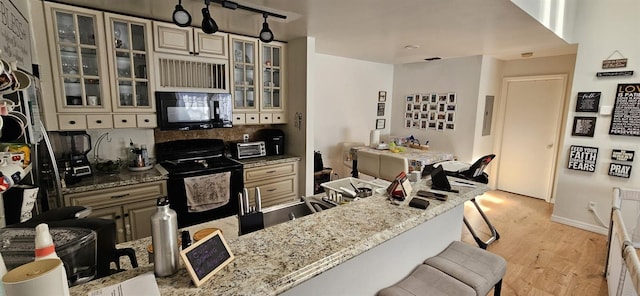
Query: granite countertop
[
  {"x": 123, "y": 178},
  {"x": 267, "y": 160},
  {"x": 275, "y": 259}
]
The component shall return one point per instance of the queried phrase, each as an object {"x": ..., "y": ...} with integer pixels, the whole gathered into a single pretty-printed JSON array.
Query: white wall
[
  {"x": 345, "y": 104},
  {"x": 459, "y": 75},
  {"x": 601, "y": 28}
]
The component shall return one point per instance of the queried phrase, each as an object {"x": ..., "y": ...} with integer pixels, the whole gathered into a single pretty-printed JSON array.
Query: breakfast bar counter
[{"x": 330, "y": 249}]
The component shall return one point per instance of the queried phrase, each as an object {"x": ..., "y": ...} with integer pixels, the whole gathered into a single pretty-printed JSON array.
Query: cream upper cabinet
[
  {"x": 272, "y": 82},
  {"x": 102, "y": 67},
  {"x": 130, "y": 54},
  {"x": 244, "y": 73},
  {"x": 258, "y": 81},
  {"x": 170, "y": 38},
  {"x": 79, "y": 58}
]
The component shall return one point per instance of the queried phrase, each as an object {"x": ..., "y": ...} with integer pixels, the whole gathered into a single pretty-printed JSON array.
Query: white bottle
[{"x": 45, "y": 249}]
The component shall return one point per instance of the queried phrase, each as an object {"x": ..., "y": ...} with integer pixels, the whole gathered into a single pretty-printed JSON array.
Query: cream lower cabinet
[
  {"x": 129, "y": 206},
  {"x": 278, "y": 183}
]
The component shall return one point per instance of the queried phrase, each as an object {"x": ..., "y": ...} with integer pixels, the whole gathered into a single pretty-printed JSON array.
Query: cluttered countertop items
[{"x": 273, "y": 260}]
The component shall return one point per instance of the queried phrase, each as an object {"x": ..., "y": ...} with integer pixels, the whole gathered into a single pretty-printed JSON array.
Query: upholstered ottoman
[
  {"x": 428, "y": 281},
  {"x": 477, "y": 268}
]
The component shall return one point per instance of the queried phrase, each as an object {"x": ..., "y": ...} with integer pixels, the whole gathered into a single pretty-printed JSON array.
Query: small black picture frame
[
  {"x": 583, "y": 126},
  {"x": 380, "y": 123},
  {"x": 588, "y": 101},
  {"x": 380, "y": 109},
  {"x": 382, "y": 96}
]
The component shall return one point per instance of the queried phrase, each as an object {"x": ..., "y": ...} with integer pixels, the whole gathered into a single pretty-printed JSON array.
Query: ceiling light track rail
[{"x": 233, "y": 6}]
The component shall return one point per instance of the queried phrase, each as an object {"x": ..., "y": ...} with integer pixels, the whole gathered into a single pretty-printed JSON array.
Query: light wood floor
[{"x": 543, "y": 257}]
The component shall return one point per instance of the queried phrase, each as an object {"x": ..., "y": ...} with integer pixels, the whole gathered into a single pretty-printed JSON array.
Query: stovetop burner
[{"x": 194, "y": 156}]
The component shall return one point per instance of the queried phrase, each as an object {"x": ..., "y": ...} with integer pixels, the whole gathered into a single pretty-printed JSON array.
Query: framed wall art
[
  {"x": 624, "y": 118},
  {"x": 588, "y": 101},
  {"x": 380, "y": 109},
  {"x": 382, "y": 96},
  {"x": 583, "y": 126},
  {"x": 380, "y": 123},
  {"x": 582, "y": 158}
]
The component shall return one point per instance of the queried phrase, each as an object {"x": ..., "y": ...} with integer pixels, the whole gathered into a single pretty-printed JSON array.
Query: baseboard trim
[{"x": 581, "y": 225}]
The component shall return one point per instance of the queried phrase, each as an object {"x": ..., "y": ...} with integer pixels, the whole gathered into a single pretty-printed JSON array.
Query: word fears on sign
[
  {"x": 583, "y": 158},
  {"x": 619, "y": 170}
]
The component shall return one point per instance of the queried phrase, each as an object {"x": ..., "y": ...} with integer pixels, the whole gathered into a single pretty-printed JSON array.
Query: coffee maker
[{"x": 74, "y": 148}]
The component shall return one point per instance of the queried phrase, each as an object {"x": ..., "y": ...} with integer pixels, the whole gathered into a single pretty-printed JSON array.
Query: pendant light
[
  {"x": 265, "y": 34},
  {"x": 209, "y": 26},
  {"x": 181, "y": 17}
]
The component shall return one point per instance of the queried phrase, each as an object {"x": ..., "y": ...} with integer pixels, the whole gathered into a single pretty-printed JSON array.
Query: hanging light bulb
[
  {"x": 209, "y": 26},
  {"x": 265, "y": 34},
  {"x": 181, "y": 17}
]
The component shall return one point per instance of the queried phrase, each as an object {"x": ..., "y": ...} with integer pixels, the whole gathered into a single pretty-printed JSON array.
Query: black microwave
[{"x": 193, "y": 110}]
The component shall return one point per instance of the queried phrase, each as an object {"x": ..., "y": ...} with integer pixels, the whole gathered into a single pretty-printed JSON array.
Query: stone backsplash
[{"x": 227, "y": 134}]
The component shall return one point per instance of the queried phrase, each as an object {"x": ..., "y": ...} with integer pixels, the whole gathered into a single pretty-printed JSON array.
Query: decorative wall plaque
[
  {"x": 583, "y": 126},
  {"x": 625, "y": 118},
  {"x": 620, "y": 170},
  {"x": 622, "y": 155},
  {"x": 616, "y": 73},
  {"x": 583, "y": 158},
  {"x": 588, "y": 101}
]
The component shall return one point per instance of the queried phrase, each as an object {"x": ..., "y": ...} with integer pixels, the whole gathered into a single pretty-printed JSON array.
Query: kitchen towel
[
  {"x": 207, "y": 192},
  {"x": 40, "y": 277}
]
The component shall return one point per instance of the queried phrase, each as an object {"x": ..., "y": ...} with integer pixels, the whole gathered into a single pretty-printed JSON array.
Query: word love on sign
[{"x": 206, "y": 257}]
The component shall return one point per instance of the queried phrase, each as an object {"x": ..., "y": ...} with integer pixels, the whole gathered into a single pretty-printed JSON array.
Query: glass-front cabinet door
[
  {"x": 130, "y": 47},
  {"x": 244, "y": 72},
  {"x": 78, "y": 57},
  {"x": 272, "y": 59}
]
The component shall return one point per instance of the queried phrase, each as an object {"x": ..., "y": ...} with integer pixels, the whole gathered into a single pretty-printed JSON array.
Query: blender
[{"x": 75, "y": 146}]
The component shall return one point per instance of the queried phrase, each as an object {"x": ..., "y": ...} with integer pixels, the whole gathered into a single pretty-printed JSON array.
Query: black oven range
[{"x": 203, "y": 184}]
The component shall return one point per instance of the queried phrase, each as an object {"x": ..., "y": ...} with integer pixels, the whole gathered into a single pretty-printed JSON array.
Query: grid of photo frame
[{"x": 435, "y": 111}]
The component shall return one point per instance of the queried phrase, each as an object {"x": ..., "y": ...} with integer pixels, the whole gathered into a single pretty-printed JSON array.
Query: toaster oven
[{"x": 242, "y": 150}]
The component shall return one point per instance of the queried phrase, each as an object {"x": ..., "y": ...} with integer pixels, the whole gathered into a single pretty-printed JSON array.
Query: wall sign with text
[
  {"x": 583, "y": 126},
  {"x": 620, "y": 170},
  {"x": 582, "y": 158},
  {"x": 625, "y": 118},
  {"x": 15, "y": 36},
  {"x": 622, "y": 155},
  {"x": 588, "y": 101}
]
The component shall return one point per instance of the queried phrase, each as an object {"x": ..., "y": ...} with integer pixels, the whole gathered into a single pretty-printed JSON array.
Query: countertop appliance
[
  {"x": 194, "y": 158},
  {"x": 192, "y": 110},
  {"x": 75, "y": 146},
  {"x": 273, "y": 139},
  {"x": 242, "y": 150}
]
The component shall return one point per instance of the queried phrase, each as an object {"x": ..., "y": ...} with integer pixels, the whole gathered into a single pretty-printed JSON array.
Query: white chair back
[
  {"x": 368, "y": 163},
  {"x": 391, "y": 166}
]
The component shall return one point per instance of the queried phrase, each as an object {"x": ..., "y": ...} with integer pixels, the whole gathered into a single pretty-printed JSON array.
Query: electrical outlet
[
  {"x": 245, "y": 137},
  {"x": 592, "y": 205}
]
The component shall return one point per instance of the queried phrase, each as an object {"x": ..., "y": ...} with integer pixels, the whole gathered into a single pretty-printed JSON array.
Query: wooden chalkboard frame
[{"x": 216, "y": 238}]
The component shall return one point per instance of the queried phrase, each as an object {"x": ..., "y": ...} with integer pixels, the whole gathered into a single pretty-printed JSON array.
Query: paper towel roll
[
  {"x": 46, "y": 276},
  {"x": 374, "y": 138}
]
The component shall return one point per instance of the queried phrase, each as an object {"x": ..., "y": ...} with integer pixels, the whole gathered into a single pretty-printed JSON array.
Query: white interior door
[{"x": 532, "y": 115}]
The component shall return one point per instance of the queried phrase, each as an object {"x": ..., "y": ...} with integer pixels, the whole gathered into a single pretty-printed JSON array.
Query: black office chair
[{"x": 476, "y": 171}]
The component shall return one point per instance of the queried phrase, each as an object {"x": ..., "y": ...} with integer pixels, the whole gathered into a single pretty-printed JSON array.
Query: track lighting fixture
[
  {"x": 181, "y": 17},
  {"x": 265, "y": 34},
  {"x": 209, "y": 26}
]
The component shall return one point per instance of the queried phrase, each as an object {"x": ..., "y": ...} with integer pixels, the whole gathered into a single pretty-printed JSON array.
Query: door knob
[{"x": 549, "y": 146}]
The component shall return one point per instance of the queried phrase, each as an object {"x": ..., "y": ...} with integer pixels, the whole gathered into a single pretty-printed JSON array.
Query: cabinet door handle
[
  {"x": 271, "y": 172},
  {"x": 118, "y": 217},
  {"x": 120, "y": 196},
  {"x": 98, "y": 121},
  {"x": 126, "y": 215},
  {"x": 124, "y": 121},
  {"x": 191, "y": 52},
  {"x": 146, "y": 120},
  {"x": 271, "y": 190},
  {"x": 72, "y": 122}
]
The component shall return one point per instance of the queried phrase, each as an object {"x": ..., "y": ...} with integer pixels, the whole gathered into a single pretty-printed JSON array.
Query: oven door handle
[{"x": 120, "y": 196}]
